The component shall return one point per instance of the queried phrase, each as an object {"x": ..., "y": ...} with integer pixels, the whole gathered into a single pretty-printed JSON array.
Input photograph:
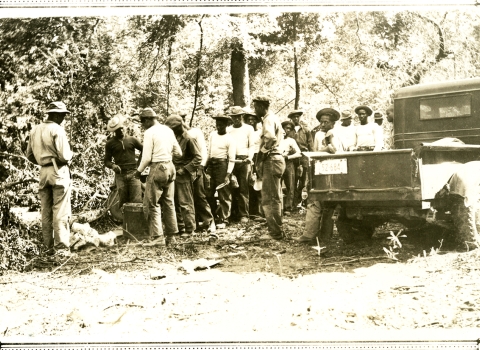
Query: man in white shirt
[
  {"x": 159, "y": 146},
  {"x": 220, "y": 163},
  {"x": 272, "y": 165},
  {"x": 48, "y": 147},
  {"x": 203, "y": 211},
  {"x": 329, "y": 143},
  {"x": 368, "y": 136},
  {"x": 345, "y": 132},
  {"x": 290, "y": 151},
  {"x": 244, "y": 137},
  {"x": 250, "y": 118}
]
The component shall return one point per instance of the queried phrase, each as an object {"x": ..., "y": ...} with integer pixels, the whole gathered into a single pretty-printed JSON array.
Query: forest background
[{"x": 202, "y": 64}]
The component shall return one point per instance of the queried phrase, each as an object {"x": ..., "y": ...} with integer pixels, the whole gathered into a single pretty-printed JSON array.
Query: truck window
[{"x": 446, "y": 107}]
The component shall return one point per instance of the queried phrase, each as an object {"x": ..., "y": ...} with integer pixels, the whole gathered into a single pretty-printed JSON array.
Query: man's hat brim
[
  {"x": 295, "y": 112},
  {"x": 331, "y": 111},
  {"x": 365, "y": 108}
]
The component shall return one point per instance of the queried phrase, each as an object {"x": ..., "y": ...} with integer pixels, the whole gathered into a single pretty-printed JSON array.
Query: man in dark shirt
[
  {"x": 121, "y": 148},
  {"x": 186, "y": 168}
]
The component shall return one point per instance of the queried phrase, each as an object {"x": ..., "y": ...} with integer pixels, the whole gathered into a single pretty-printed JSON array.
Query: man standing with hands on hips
[
  {"x": 272, "y": 164},
  {"x": 48, "y": 147},
  {"x": 159, "y": 146}
]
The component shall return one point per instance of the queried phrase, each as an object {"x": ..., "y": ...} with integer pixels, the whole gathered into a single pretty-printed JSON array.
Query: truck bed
[{"x": 367, "y": 176}]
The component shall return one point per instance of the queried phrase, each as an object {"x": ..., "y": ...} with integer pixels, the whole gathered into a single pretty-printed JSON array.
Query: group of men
[
  {"x": 191, "y": 185},
  {"x": 336, "y": 137}
]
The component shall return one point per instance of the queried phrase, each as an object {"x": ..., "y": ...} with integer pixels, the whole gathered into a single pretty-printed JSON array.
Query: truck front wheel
[{"x": 465, "y": 221}]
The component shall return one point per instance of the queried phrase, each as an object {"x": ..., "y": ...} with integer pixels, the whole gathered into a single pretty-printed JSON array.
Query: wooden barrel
[{"x": 134, "y": 223}]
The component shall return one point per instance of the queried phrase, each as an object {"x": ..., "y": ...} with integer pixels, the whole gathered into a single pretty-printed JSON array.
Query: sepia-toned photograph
[{"x": 245, "y": 175}]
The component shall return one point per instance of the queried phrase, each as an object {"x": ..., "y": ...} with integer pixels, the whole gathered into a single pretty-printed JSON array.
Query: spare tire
[{"x": 466, "y": 223}]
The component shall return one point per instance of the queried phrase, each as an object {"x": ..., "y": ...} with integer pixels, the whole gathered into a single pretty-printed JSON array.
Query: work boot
[
  {"x": 156, "y": 242},
  {"x": 170, "y": 241},
  {"x": 304, "y": 239}
]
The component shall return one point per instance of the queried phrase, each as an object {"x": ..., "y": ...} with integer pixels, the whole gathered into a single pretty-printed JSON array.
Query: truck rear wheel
[
  {"x": 326, "y": 231},
  {"x": 352, "y": 229},
  {"x": 466, "y": 223}
]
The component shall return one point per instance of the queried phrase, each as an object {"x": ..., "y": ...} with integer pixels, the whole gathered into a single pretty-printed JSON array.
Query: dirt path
[{"x": 265, "y": 290}]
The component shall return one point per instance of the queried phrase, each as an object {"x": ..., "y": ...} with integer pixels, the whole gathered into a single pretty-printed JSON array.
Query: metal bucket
[{"x": 134, "y": 223}]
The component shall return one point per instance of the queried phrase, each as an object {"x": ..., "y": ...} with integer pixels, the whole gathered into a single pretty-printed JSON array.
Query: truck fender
[{"x": 465, "y": 182}]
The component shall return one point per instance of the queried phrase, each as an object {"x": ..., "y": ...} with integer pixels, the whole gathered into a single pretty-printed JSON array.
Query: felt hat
[
  {"x": 261, "y": 98},
  {"x": 378, "y": 117},
  {"x": 345, "y": 115},
  {"x": 222, "y": 116},
  {"x": 365, "y": 108},
  {"x": 57, "y": 107},
  {"x": 148, "y": 113},
  {"x": 248, "y": 113},
  {"x": 173, "y": 121},
  {"x": 236, "y": 110},
  {"x": 115, "y": 123},
  {"x": 329, "y": 111},
  {"x": 288, "y": 122},
  {"x": 295, "y": 112}
]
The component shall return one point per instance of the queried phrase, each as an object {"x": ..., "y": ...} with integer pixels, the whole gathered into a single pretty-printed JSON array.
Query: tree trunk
[
  {"x": 170, "y": 44},
  {"x": 295, "y": 61},
  {"x": 240, "y": 79},
  {"x": 197, "y": 77}
]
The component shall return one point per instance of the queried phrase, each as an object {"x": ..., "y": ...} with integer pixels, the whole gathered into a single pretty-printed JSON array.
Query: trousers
[
  {"x": 218, "y": 171},
  {"x": 129, "y": 191},
  {"x": 160, "y": 190},
  {"x": 273, "y": 169},
  {"x": 289, "y": 181},
  {"x": 241, "y": 194},
  {"x": 202, "y": 207},
  {"x": 54, "y": 190},
  {"x": 184, "y": 205}
]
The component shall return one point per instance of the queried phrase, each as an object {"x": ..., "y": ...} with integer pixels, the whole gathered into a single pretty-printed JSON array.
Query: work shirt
[
  {"x": 304, "y": 139},
  {"x": 323, "y": 139},
  {"x": 197, "y": 134},
  {"x": 272, "y": 134},
  {"x": 244, "y": 140},
  {"x": 222, "y": 147},
  {"x": 159, "y": 144},
  {"x": 288, "y": 146},
  {"x": 122, "y": 151},
  {"x": 48, "y": 140},
  {"x": 191, "y": 155},
  {"x": 369, "y": 135},
  {"x": 345, "y": 136}
]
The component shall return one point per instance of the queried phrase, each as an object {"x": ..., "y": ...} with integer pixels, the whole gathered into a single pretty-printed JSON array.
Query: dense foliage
[{"x": 102, "y": 66}]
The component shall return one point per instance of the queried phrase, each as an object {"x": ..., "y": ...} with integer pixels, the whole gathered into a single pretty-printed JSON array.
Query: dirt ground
[{"x": 255, "y": 289}]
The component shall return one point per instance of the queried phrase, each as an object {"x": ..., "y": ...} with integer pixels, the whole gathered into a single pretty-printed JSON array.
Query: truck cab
[{"x": 423, "y": 180}]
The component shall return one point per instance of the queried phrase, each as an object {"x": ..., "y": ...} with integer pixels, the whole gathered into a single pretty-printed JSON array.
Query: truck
[{"x": 430, "y": 177}]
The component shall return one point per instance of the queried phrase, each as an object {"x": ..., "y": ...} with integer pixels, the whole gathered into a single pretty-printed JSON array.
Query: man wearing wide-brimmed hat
[
  {"x": 159, "y": 147},
  {"x": 345, "y": 132},
  {"x": 378, "y": 118},
  {"x": 48, "y": 147},
  {"x": 244, "y": 137},
  {"x": 368, "y": 135},
  {"x": 325, "y": 140},
  {"x": 186, "y": 167},
  {"x": 120, "y": 157},
  {"x": 303, "y": 136},
  {"x": 271, "y": 166},
  {"x": 220, "y": 163}
]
